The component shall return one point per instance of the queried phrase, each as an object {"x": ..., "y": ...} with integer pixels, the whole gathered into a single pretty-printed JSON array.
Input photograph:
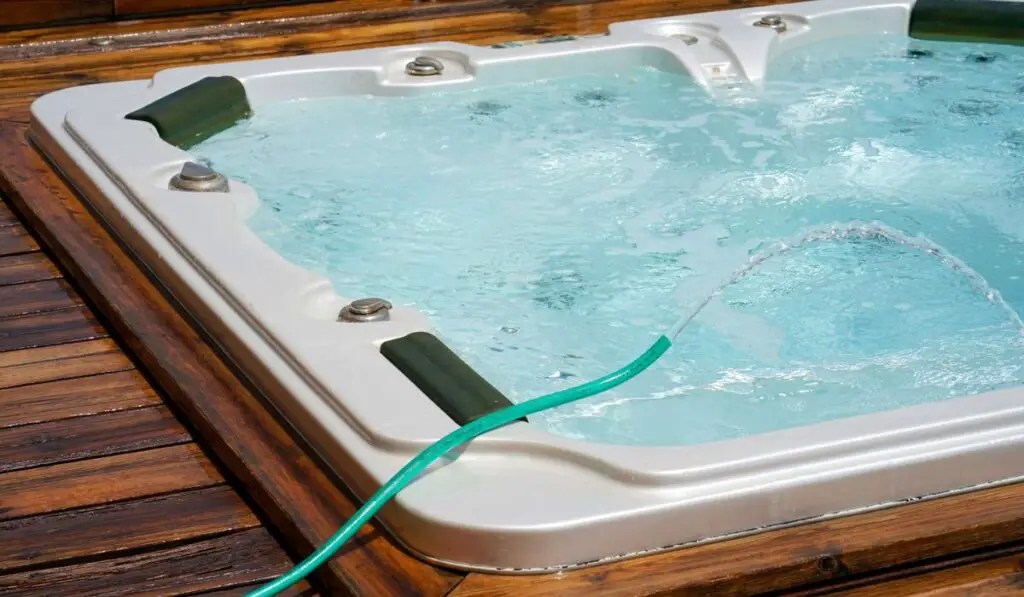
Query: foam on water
[
  {"x": 552, "y": 230},
  {"x": 875, "y": 231}
]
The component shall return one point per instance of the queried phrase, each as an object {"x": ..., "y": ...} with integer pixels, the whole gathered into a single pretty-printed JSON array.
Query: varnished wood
[
  {"x": 57, "y": 465},
  {"x": 121, "y": 527},
  {"x": 999, "y": 576},
  {"x": 35, "y": 12},
  {"x": 281, "y": 19},
  {"x": 7, "y": 218},
  {"x": 49, "y": 329},
  {"x": 247, "y": 556},
  {"x": 287, "y": 483},
  {"x": 95, "y": 465},
  {"x": 15, "y": 239},
  {"x": 103, "y": 480},
  {"x": 1007, "y": 586},
  {"x": 37, "y": 297},
  {"x": 30, "y": 267},
  {"x": 53, "y": 363},
  {"x": 947, "y": 572},
  {"x": 128, "y": 8},
  {"x": 10, "y": 111},
  {"x": 296, "y": 591},
  {"x": 88, "y": 437},
  {"x": 74, "y": 397}
]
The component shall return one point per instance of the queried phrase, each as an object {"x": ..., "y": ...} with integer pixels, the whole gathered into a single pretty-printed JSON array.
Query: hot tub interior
[{"x": 551, "y": 229}]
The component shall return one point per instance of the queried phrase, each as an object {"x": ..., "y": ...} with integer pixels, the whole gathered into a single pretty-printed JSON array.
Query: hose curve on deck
[{"x": 446, "y": 444}]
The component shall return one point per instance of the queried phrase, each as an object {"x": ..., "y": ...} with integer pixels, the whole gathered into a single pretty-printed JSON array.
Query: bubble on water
[
  {"x": 982, "y": 57},
  {"x": 917, "y": 53},
  {"x": 561, "y": 375}
]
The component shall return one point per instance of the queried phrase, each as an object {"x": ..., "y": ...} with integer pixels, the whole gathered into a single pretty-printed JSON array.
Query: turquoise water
[{"x": 552, "y": 230}]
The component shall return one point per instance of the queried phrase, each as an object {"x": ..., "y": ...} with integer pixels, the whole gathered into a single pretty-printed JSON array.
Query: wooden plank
[
  {"x": 7, "y": 217},
  {"x": 19, "y": 13},
  {"x": 15, "y": 239},
  {"x": 242, "y": 557},
  {"x": 299, "y": 590},
  {"x": 121, "y": 527},
  {"x": 97, "y": 481},
  {"x": 53, "y": 363},
  {"x": 37, "y": 297},
  {"x": 48, "y": 329},
  {"x": 88, "y": 437},
  {"x": 77, "y": 397},
  {"x": 150, "y": 7},
  {"x": 949, "y": 570},
  {"x": 12, "y": 109},
  {"x": 288, "y": 484},
  {"x": 1011, "y": 585},
  {"x": 813, "y": 553},
  {"x": 333, "y": 13},
  {"x": 29, "y": 267},
  {"x": 999, "y": 576}
]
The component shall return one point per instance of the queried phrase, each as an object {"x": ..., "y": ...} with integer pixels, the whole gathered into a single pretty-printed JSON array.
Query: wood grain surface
[
  {"x": 29, "y": 267},
  {"x": 122, "y": 527},
  {"x": 7, "y": 217},
  {"x": 55, "y": 363},
  {"x": 14, "y": 13},
  {"x": 15, "y": 239},
  {"x": 200, "y": 567},
  {"x": 39, "y": 330},
  {"x": 89, "y": 437},
  {"x": 102, "y": 490},
  {"x": 130, "y": 8},
  {"x": 37, "y": 297},
  {"x": 108, "y": 479},
  {"x": 89, "y": 385}
]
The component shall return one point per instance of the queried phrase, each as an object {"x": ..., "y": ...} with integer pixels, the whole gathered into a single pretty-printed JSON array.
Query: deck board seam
[
  {"x": 68, "y": 378},
  {"x": 220, "y": 569},
  {"x": 106, "y": 555},
  {"x": 40, "y": 311},
  {"x": 21, "y": 252},
  {"x": 219, "y": 512},
  {"x": 906, "y": 571},
  {"x": 115, "y": 502},
  {"x": 185, "y": 437},
  {"x": 117, "y": 348},
  {"x": 26, "y": 282}
]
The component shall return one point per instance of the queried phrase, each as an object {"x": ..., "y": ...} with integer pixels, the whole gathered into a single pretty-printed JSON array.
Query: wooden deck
[
  {"x": 134, "y": 461},
  {"x": 102, "y": 486}
]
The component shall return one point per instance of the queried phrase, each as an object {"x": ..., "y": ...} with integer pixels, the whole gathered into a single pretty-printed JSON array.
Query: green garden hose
[{"x": 448, "y": 443}]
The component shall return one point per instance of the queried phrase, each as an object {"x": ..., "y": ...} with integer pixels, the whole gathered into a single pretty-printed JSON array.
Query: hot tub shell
[{"x": 519, "y": 499}]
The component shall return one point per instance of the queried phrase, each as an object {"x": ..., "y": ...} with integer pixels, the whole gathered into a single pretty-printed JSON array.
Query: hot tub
[{"x": 735, "y": 436}]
